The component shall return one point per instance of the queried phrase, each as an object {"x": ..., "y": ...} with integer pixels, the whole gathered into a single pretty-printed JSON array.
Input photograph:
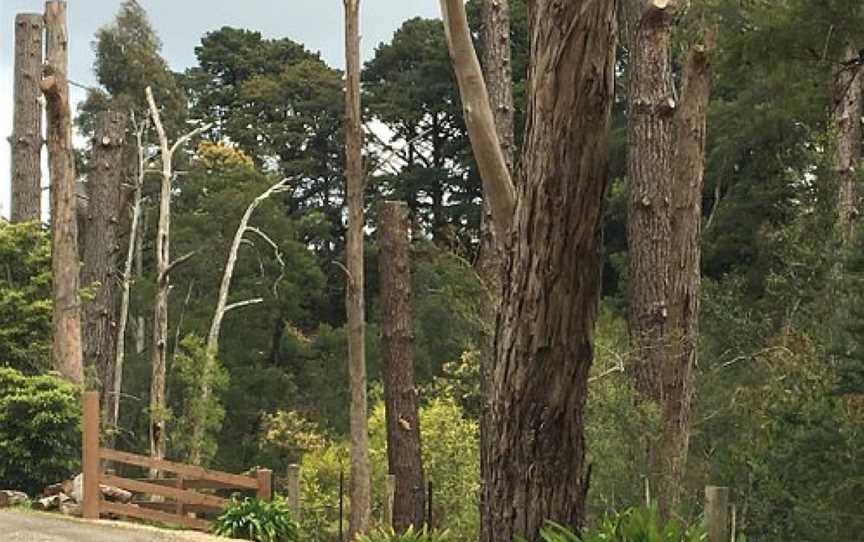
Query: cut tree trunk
[
  {"x": 66, "y": 324},
  {"x": 397, "y": 344},
  {"x": 360, "y": 491},
  {"x": 26, "y": 139},
  {"x": 544, "y": 341},
  {"x": 100, "y": 250},
  {"x": 498, "y": 74},
  {"x": 846, "y": 127},
  {"x": 685, "y": 272}
]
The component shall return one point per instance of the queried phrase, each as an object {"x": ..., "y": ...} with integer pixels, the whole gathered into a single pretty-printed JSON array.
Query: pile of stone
[{"x": 64, "y": 497}]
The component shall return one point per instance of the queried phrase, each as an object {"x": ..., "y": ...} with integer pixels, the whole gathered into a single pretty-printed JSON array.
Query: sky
[{"x": 318, "y": 24}]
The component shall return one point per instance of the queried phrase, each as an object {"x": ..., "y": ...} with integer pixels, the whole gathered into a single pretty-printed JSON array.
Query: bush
[
  {"x": 634, "y": 525},
  {"x": 40, "y": 436},
  {"x": 408, "y": 536},
  {"x": 258, "y": 520}
]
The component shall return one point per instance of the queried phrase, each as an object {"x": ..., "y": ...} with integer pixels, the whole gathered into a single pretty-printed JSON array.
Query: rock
[
  {"x": 60, "y": 487},
  {"x": 112, "y": 493},
  {"x": 70, "y": 508},
  {"x": 10, "y": 497},
  {"x": 77, "y": 492},
  {"x": 49, "y": 503}
]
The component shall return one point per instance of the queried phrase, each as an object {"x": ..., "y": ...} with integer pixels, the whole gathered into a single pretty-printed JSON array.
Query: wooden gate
[{"x": 184, "y": 502}]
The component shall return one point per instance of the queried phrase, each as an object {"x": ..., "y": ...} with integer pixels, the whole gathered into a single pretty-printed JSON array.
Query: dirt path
[{"x": 27, "y": 526}]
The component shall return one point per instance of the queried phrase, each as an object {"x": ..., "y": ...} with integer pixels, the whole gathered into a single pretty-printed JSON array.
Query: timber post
[
  {"x": 717, "y": 513},
  {"x": 265, "y": 484},
  {"x": 293, "y": 489},
  {"x": 389, "y": 500},
  {"x": 90, "y": 456}
]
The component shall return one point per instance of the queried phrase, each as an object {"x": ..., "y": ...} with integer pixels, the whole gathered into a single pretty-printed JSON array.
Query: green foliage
[
  {"x": 40, "y": 436},
  {"x": 189, "y": 370},
  {"x": 258, "y": 520},
  {"x": 411, "y": 535},
  {"x": 25, "y": 297},
  {"x": 633, "y": 525}
]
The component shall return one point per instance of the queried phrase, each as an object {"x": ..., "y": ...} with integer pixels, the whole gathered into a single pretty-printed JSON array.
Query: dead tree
[
  {"x": 359, "y": 488},
  {"x": 846, "y": 115},
  {"x": 397, "y": 346},
  {"x": 112, "y": 417},
  {"x": 100, "y": 250},
  {"x": 26, "y": 139},
  {"x": 164, "y": 266},
  {"x": 66, "y": 324},
  {"x": 222, "y": 308},
  {"x": 544, "y": 338}
]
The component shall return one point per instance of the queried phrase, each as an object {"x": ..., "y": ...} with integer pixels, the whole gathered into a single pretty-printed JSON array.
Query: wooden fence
[{"x": 185, "y": 501}]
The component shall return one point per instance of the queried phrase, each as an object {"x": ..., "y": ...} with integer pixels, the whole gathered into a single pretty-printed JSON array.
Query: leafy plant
[
  {"x": 258, "y": 520},
  {"x": 633, "y": 525},
  {"x": 40, "y": 439},
  {"x": 410, "y": 535}
]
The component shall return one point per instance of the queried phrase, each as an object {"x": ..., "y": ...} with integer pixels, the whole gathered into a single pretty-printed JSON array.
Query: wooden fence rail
[{"x": 181, "y": 489}]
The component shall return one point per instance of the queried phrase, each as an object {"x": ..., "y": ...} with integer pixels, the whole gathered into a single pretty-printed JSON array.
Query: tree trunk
[
  {"x": 544, "y": 341},
  {"x": 100, "y": 250},
  {"x": 685, "y": 271},
  {"x": 651, "y": 109},
  {"x": 66, "y": 324},
  {"x": 360, "y": 491},
  {"x": 132, "y": 252},
  {"x": 26, "y": 140},
  {"x": 140, "y": 320},
  {"x": 498, "y": 73},
  {"x": 846, "y": 127},
  {"x": 397, "y": 344}
]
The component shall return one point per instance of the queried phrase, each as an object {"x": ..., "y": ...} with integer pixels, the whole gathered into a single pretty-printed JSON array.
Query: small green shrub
[
  {"x": 258, "y": 520},
  {"x": 408, "y": 536},
  {"x": 634, "y": 525},
  {"x": 40, "y": 435}
]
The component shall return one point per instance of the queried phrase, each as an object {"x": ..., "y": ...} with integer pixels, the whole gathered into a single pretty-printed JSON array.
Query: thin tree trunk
[
  {"x": 360, "y": 491},
  {"x": 400, "y": 393},
  {"x": 100, "y": 250},
  {"x": 685, "y": 270},
  {"x": 26, "y": 140},
  {"x": 544, "y": 341},
  {"x": 846, "y": 127},
  {"x": 140, "y": 320},
  {"x": 498, "y": 73},
  {"x": 113, "y": 417},
  {"x": 222, "y": 308},
  {"x": 66, "y": 348}
]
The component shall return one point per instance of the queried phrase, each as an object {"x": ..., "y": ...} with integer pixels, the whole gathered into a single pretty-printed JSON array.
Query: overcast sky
[{"x": 181, "y": 24}]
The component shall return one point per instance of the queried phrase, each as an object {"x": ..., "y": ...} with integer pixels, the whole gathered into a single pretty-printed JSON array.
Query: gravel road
[{"x": 28, "y": 526}]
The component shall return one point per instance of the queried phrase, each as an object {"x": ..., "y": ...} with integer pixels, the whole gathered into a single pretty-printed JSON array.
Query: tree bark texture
[
  {"x": 498, "y": 74},
  {"x": 26, "y": 139},
  {"x": 100, "y": 250},
  {"x": 66, "y": 324},
  {"x": 360, "y": 491},
  {"x": 685, "y": 272},
  {"x": 544, "y": 340},
  {"x": 651, "y": 109},
  {"x": 846, "y": 127},
  {"x": 159, "y": 350},
  {"x": 400, "y": 392}
]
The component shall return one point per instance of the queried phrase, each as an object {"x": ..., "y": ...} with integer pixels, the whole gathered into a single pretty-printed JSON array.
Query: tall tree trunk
[
  {"x": 498, "y": 73},
  {"x": 846, "y": 127},
  {"x": 26, "y": 140},
  {"x": 360, "y": 491},
  {"x": 544, "y": 340},
  {"x": 112, "y": 418},
  {"x": 66, "y": 324},
  {"x": 400, "y": 393},
  {"x": 140, "y": 319},
  {"x": 100, "y": 250},
  {"x": 159, "y": 349},
  {"x": 685, "y": 270}
]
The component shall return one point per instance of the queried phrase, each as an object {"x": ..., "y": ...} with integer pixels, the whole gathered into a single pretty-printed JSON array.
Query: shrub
[
  {"x": 408, "y": 536},
  {"x": 634, "y": 525},
  {"x": 40, "y": 437},
  {"x": 258, "y": 520}
]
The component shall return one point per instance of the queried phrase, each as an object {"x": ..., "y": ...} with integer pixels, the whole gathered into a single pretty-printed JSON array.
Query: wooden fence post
[
  {"x": 90, "y": 456},
  {"x": 717, "y": 513},
  {"x": 389, "y": 500},
  {"x": 265, "y": 484},
  {"x": 293, "y": 487}
]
